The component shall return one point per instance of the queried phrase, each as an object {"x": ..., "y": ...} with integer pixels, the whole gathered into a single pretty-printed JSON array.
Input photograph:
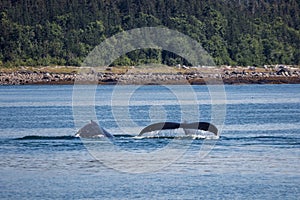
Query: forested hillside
[{"x": 235, "y": 32}]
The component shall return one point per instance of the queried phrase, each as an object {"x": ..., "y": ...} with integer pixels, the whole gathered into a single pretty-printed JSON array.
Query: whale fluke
[
  {"x": 92, "y": 130},
  {"x": 205, "y": 126},
  {"x": 159, "y": 126}
]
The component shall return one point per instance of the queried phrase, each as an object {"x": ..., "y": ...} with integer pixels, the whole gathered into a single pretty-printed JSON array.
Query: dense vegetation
[{"x": 235, "y": 32}]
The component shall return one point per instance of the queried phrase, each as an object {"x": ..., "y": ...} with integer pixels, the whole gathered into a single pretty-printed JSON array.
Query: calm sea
[{"x": 256, "y": 157}]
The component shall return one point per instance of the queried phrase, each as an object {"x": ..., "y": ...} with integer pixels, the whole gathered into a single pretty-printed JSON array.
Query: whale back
[{"x": 92, "y": 130}]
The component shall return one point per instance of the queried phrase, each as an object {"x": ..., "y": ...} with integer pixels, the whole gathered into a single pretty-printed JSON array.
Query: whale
[
  {"x": 92, "y": 130},
  {"x": 187, "y": 127}
]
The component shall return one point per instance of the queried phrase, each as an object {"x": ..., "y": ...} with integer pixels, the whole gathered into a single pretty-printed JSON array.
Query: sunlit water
[{"x": 256, "y": 157}]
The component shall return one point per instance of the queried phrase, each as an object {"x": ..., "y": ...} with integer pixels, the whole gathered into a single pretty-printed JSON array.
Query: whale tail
[{"x": 187, "y": 127}]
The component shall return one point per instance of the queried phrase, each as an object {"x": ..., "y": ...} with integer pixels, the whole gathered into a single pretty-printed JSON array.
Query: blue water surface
[{"x": 256, "y": 157}]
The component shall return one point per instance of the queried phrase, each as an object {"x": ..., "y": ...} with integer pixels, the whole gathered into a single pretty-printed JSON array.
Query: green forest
[{"x": 234, "y": 32}]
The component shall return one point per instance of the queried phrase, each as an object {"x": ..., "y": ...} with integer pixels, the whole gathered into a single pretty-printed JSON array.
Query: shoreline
[{"x": 163, "y": 76}]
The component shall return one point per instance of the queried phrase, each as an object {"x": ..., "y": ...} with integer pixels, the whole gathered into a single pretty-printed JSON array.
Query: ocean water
[{"x": 257, "y": 155}]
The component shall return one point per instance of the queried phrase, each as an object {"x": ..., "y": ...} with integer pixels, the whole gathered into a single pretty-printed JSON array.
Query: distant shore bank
[{"x": 195, "y": 76}]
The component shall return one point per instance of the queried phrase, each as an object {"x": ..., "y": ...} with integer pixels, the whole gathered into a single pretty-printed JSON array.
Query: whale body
[{"x": 92, "y": 130}]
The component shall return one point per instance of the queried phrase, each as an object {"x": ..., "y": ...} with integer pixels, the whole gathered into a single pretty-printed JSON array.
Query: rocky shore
[{"x": 199, "y": 75}]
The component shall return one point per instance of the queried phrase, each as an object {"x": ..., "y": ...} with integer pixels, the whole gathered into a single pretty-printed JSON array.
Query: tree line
[{"x": 235, "y": 32}]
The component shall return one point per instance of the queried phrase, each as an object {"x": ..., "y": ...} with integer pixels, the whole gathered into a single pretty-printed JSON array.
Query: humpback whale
[
  {"x": 205, "y": 126},
  {"x": 93, "y": 130}
]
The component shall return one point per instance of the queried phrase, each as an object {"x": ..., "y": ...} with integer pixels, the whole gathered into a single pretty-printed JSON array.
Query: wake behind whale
[
  {"x": 39, "y": 137},
  {"x": 166, "y": 130}
]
